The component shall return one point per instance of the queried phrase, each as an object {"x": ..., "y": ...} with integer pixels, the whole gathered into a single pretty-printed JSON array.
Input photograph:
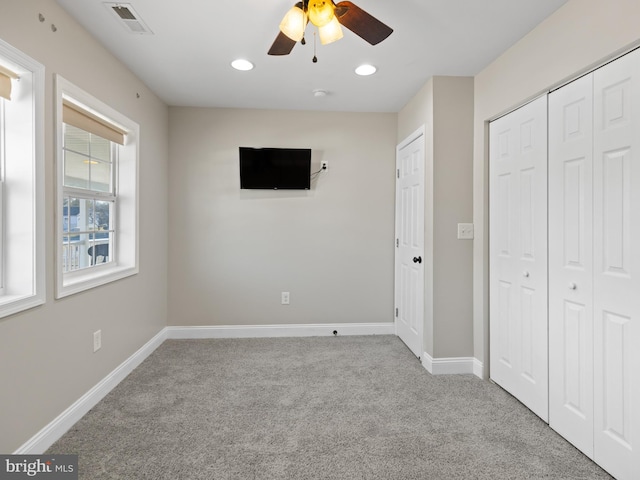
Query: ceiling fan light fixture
[
  {"x": 366, "y": 70},
  {"x": 293, "y": 23},
  {"x": 242, "y": 64},
  {"x": 321, "y": 12},
  {"x": 330, "y": 32}
]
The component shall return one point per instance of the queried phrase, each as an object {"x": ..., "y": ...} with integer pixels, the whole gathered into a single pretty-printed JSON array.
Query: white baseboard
[
  {"x": 452, "y": 365},
  {"x": 271, "y": 331},
  {"x": 42, "y": 440}
]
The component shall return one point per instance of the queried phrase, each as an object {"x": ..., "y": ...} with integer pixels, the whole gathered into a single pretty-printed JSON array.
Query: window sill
[
  {"x": 81, "y": 282},
  {"x": 11, "y": 304}
]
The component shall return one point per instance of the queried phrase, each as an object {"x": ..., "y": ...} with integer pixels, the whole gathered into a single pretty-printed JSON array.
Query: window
[
  {"x": 97, "y": 194},
  {"x": 89, "y": 197},
  {"x": 22, "y": 276}
]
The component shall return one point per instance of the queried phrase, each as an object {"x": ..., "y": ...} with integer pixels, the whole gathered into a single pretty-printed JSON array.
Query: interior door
[
  {"x": 570, "y": 263},
  {"x": 409, "y": 261},
  {"x": 518, "y": 254},
  {"x": 616, "y": 243}
]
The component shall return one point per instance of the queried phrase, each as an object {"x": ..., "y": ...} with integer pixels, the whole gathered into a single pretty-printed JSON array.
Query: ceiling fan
[{"x": 328, "y": 17}]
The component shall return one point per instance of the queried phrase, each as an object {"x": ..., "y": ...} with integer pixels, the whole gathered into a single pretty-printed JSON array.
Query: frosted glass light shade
[
  {"x": 330, "y": 32},
  {"x": 321, "y": 12},
  {"x": 293, "y": 24}
]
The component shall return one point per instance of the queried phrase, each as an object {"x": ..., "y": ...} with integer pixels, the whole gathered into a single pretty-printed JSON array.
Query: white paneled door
[
  {"x": 594, "y": 265},
  {"x": 409, "y": 261},
  {"x": 571, "y": 262},
  {"x": 616, "y": 259},
  {"x": 518, "y": 254}
]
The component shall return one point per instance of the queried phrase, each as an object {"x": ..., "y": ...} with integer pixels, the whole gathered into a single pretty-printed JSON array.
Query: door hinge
[
  {"x": 397, "y": 242},
  {"x": 396, "y": 312},
  {"x": 398, "y": 173}
]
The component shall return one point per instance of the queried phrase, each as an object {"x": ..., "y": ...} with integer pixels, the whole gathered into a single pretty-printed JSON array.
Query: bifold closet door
[
  {"x": 518, "y": 254},
  {"x": 594, "y": 265},
  {"x": 616, "y": 280},
  {"x": 570, "y": 262}
]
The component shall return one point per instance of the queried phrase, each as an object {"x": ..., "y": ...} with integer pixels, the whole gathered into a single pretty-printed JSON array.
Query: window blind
[
  {"x": 79, "y": 117},
  {"x": 5, "y": 82}
]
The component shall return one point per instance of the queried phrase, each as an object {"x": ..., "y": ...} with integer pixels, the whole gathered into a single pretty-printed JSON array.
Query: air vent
[
  {"x": 124, "y": 13},
  {"x": 128, "y": 17}
]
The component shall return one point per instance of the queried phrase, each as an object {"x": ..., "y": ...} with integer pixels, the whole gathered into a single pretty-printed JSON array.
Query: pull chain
[
  {"x": 304, "y": 25},
  {"x": 315, "y": 59}
]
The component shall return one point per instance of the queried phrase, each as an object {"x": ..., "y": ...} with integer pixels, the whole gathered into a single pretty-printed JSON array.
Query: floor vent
[{"x": 128, "y": 17}]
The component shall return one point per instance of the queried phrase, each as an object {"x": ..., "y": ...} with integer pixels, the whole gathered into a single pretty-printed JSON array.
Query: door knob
[
  {"x": 525, "y": 274},
  {"x": 417, "y": 259},
  {"x": 572, "y": 286}
]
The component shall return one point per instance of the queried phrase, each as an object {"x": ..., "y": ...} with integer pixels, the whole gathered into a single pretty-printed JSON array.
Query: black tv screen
[{"x": 275, "y": 168}]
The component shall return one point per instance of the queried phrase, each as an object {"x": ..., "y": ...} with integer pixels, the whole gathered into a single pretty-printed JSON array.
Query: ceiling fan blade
[
  {"x": 282, "y": 45},
  {"x": 361, "y": 23}
]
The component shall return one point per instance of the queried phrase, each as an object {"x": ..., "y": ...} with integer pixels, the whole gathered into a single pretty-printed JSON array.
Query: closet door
[
  {"x": 616, "y": 243},
  {"x": 518, "y": 254},
  {"x": 570, "y": 263}
]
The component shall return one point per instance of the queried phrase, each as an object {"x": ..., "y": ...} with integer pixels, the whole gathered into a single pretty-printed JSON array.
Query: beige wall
[
  {"x": 578, "y": 37},
  {"x": 453, "y": 192},
  {"x": 46, "y": 355},
  {"x": 233, "y": 251},
  {"x": 445, "y": 106}
]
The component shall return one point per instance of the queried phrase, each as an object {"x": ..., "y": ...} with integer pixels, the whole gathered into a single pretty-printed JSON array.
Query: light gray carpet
[{"x": 311, "y": 408}]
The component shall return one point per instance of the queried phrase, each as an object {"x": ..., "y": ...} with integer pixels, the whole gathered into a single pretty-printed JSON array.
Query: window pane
[
  {"x": 70, "y": 212},
  {"x": 76, "y": 170},
  {"x": 74, "y": 252},
  {"x": 100, "y": 249},
  {"x": 100, "y": 148},
  {"x": 101, "y": 177},
  {"x": 82, "y": 215},
  {"x": 66, "y": 258},
  {"x": 76, "y": 139},
  {"x": 65, "y": 214},
  {"x": 89, "y": 237},
  {"x": 103, "y": 215}
]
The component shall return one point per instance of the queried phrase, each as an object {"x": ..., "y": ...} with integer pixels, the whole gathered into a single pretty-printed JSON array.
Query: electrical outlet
[
  {"x": 284, "y": 298},
  {"x": 465, "y": 231},
  {"x": 97, "y": 340},
  {"x": 324, "y": 165}
]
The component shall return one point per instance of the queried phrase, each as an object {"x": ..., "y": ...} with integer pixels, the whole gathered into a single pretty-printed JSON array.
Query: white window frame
[
  {"x": 22, "y": 171},
  {"x": 124, "y": 261}
]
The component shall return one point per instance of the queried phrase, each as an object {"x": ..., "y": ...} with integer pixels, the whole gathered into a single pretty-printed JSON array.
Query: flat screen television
[{"x": 275, "y": 168}]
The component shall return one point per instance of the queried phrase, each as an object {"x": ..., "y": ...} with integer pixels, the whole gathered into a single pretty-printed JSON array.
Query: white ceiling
[{"x": 187, "y": 59}]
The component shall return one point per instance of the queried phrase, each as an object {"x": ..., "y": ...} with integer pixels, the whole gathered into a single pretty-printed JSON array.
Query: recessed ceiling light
[
  {"x": 242, "y": 64},
  {"x": 364, "y": 70}
]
